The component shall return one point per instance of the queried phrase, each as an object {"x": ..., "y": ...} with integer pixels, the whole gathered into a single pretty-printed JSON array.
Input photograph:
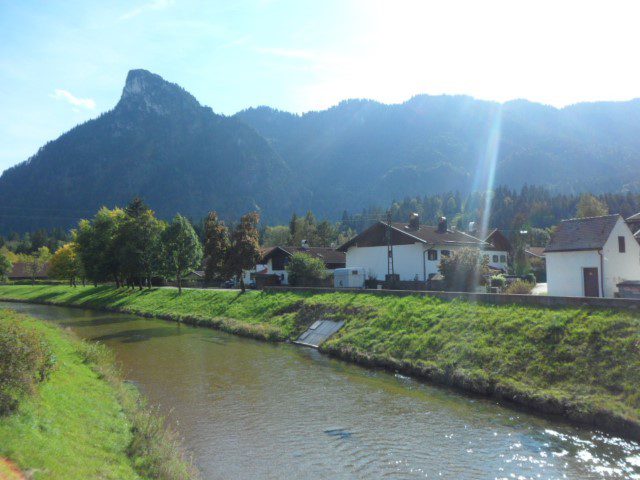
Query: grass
[
  {"x": 582, "y": 363},
  {"x": 84, "y": 422}
]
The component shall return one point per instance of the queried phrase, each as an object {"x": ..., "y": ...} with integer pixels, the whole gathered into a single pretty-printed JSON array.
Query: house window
[
  {"x": 445, "y": 253},
  {"x": 503, "y": 259},
  {"x": 496, "y": 258},
  {"x": 621, "y": 245},
  {"x": 432, "y": 255}
]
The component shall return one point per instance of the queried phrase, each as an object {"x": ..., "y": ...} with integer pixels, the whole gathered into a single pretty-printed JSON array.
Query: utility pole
[{"x": 389, "y": 246}]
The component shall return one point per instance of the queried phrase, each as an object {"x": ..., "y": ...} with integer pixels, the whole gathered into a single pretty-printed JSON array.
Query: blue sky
[{"x": 62, "y": 63}]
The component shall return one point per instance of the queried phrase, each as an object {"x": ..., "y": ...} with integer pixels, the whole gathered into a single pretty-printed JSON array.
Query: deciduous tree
[
  {"x": 96, "y": 246},
  {"x": 37, "y": 262},
  {"x": 137, "y": 243},
  {"x": 590, "y": 206},
  {"x": 65, "y": 263},
  {"x": 5, "y": 267},
  {"x": 182, "y": 250}
]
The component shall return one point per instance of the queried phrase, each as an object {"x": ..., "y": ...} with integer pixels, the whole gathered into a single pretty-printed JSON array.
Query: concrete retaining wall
[{"x": 488, "y": 298}]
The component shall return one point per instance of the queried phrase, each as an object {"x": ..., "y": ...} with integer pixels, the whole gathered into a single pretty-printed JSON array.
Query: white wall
[
  {"x": 564, "y": 272},
  {"x": 620, "y": 266},
  {"x": 564, "y": 269},
  {"x": 407, "y": 260}
]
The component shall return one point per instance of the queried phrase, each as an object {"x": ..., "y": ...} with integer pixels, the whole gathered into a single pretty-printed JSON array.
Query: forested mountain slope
[
  {"x": 161, "y": 144},
  {"x": 362, "y": 152}
]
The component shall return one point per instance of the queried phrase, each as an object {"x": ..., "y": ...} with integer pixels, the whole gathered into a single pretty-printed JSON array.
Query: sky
[{"x": 63, "y": 63}]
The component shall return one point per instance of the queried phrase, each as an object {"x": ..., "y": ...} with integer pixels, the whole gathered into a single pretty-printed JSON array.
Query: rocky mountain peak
[{"x": 149, "y": 92}]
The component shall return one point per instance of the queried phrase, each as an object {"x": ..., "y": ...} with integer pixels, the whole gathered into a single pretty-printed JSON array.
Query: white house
[
  {"x": 588, "y": 257},
  {"x": 274, "y": 260},
  {"x": 416, "y": 249}
]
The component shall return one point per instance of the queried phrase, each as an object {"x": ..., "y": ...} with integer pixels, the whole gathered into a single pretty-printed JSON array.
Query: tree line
[
  {"x": 534, "y": 209},
  {"x": 132, "y": 248}
]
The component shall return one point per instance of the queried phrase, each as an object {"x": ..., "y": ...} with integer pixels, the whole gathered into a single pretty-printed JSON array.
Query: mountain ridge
[{"x": 160, "y": 143}]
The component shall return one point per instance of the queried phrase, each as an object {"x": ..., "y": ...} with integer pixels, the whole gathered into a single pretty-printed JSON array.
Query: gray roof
[
  {"x": 431, "y": 234},
  {"x": 634, "y": 218},
  {"x": 427, "y": 234},
  {"x": 582, "y": 233}
]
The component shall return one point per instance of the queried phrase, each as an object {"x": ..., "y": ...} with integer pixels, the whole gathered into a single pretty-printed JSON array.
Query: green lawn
[
  {"x": 581, "y": 362},
  {"x": 82, "y": 422}
]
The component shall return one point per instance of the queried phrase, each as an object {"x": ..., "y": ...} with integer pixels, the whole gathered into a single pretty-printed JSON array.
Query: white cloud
[
  {"x": 68, "y": 97},
  {"x": 154, "y": 5}
]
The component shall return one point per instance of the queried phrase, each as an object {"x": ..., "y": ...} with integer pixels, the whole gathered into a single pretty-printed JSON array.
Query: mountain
[
  {"x": 160, "y": 143},
  {"x": 361, "y": 152}
]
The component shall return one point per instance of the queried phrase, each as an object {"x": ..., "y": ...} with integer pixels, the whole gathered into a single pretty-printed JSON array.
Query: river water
[{"x": 249, "y": 409}]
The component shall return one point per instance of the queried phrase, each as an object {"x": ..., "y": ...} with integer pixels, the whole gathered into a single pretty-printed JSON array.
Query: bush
[
  {"x": 305, "y": 270},
  {"x": 5, "y": 267},
  {"x": 463, "y": 269},
  {"x": 498, "y": 281},
  {"x": 520, "y": 287},
  {"x": 530, "y": 277},
  {"x": 25, "y": 360}
]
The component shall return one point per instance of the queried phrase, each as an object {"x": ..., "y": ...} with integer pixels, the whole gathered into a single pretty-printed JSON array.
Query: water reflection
[{"x": 254, "y": 410}]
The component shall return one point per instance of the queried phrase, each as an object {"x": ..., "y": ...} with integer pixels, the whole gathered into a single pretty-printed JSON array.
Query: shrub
[
  {"x": 463, "y": 269},
  {"x": 520, "y": 287},
  {"x": 530, "y": 277},
  {"x": 25, "y": 360},
  {"x": 498, "y": 281},
  {"x": 305, "y": 270},
  {"x": 5, "y": 267}
]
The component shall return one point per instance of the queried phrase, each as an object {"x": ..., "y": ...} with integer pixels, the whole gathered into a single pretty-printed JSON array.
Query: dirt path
[{"x": 9, "y": 470}]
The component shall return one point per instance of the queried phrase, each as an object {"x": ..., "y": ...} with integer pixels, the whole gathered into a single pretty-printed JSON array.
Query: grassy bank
[
  {"x": 84, "y": 422},
  {"x": 583, "y": 364}
]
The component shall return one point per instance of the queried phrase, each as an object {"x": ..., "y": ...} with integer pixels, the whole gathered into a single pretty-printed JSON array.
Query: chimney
[
  {"x": 442, "y": 225},
  {"x": 304, "y": 244},
  {"x": 472, "y": 227},
  {"x": 414, "y": 221}
]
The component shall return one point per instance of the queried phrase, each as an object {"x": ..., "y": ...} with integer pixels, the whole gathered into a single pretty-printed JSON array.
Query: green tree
[
  {"x": 590, "y": 206},
  {"x": 137, "y": 243},
  {"x": 36, "y": 264},
  {"x": 244, "y": 250},
  {"x": 277, "y": 235},
  {"x": 216, "y": 247},
  {"x": 293, "y": 227},
  {"x": 96, "y": 245},
  {"x": 5, "y": 267},
  {"x": 305, "y": 270},
  {"x": 326, "y": 234},
  {"x": 65, "y": 263},
  {"x": 181, "y": 247},
  {"x": 463, "y": 269}
]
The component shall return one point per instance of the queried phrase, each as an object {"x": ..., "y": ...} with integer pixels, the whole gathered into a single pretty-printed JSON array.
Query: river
[{"x": 249, "y": 409}]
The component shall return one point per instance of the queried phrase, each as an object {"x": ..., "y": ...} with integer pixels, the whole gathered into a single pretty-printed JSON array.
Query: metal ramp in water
[{"x": 319, "y": 332}]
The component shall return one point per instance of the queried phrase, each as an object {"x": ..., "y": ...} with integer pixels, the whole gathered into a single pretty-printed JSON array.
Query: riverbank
[
  {"x": 83, "y": 421},
  {"x": 580, "y": 363}
]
